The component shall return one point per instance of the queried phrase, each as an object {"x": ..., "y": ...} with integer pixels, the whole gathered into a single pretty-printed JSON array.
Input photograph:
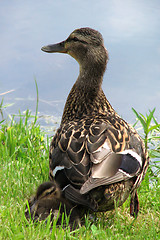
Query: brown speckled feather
[{"x": 79, "y": 141}]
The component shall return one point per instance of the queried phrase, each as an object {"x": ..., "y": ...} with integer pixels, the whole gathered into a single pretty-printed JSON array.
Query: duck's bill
[{"x": 58, "y": 47}]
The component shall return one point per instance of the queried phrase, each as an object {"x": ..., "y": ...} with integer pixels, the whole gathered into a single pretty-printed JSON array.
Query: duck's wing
[
  {"x": 97, "y": 153},
  {"x": 115, "y": 168},
  {"x": 118, "y": 158}
]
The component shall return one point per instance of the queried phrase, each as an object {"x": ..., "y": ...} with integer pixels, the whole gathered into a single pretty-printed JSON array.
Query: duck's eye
[{"x": 75, "y": 39}]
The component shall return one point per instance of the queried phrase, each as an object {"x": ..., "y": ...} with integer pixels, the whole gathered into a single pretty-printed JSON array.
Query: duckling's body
[
  {"x": 49, "y": 201},
  {"x": 99, "y": 157}
]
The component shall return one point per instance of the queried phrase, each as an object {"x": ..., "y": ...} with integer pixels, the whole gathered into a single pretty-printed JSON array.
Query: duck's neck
[{"x": 86, "y": 96}]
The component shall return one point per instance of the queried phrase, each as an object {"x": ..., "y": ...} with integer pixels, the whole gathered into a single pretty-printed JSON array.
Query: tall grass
[
  {"x": 151, "y": 137},
  {"x": 24, "y": 165}
]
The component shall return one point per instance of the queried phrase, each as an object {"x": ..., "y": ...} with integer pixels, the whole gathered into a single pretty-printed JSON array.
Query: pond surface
[{"x": 131, "y": 31}]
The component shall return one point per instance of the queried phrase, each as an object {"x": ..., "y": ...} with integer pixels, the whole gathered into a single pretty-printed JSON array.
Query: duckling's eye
[{"x": 47, "y": 193}]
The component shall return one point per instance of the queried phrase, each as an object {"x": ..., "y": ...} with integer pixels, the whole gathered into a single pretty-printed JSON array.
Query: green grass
[{"x": 24, "y": 165}]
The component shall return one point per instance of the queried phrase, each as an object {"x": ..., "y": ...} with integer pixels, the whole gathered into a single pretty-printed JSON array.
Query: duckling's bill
[{"x": 52, "y": 48}]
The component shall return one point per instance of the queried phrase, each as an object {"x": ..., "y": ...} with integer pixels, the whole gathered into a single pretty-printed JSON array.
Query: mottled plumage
[{"x": 95, "y": 156}]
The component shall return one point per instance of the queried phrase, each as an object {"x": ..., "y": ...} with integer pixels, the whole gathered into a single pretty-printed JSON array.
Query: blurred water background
[{"x": 131, "y": 31}]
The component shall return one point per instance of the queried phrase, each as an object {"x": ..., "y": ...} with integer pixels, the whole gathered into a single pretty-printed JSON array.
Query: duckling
[
  {"x": 49, "y": 201},
  {"x": 96, "y": 157}
]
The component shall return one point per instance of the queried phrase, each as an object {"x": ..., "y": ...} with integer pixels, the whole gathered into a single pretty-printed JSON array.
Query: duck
[
  {"x": 49, "y": 201},
  {"x": 95, "y": 156}
]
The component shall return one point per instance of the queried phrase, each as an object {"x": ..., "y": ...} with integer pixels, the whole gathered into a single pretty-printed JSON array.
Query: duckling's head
[
  {"x": 48, "y": 190},
  {"x": 86, "y": 46},
  {"x": 49, "y": 201}
]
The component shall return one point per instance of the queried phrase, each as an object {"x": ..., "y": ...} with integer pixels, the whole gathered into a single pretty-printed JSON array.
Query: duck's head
[{"x": 85, "y": 45}]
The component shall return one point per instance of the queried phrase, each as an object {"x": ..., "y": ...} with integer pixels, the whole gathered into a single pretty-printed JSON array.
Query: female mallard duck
[
  {"x": 49, "y": 201},
  {"x": 95, "y": 156}
]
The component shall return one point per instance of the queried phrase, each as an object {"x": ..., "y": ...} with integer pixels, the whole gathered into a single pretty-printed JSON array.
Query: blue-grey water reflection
[{"x": 131, "y": 31}]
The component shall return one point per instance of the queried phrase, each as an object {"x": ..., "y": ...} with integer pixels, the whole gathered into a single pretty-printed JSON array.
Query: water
[{"x": 131, "y": 31}]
